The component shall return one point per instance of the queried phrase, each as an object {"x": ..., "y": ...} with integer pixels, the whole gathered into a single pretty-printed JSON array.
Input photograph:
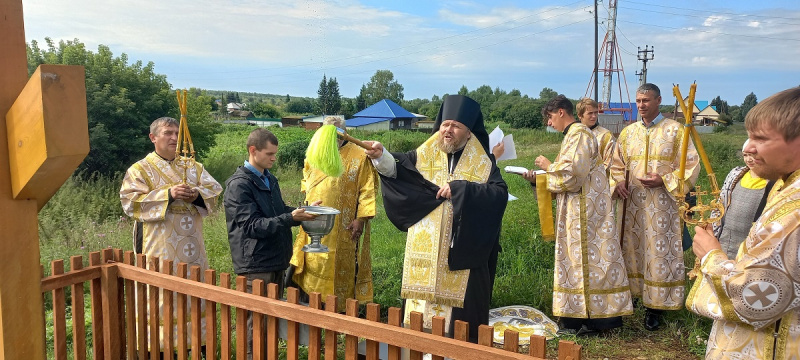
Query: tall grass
[{"x": 85, "y": 216}]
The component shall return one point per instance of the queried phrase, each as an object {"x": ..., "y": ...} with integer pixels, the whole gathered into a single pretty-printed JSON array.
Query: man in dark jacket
[{"x": 259, "y": 222}]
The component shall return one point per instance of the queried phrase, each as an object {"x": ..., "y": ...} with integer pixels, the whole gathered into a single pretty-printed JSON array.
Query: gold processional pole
[
  {"x": 184, "y": 152},
  {"x": 701, "y": 214}
]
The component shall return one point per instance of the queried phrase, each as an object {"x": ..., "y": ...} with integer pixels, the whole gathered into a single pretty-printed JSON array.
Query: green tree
[
  {"x": 526, "y": 113},
  {"x": 736, "y": 113},
  {"x": 547, "y": 93},
  {"x": 329, "y": 100},
  {"x": 122, "y": 100},
  {"x": 361, "y": 99},
  {"x": 264, "y": 110},
  {"x": 300, "y": 106},
  {"x": 749, "y": 102},
  {"x": 431, "y": 109},
  {"x": 381, "y": 86},
  {"x": 721, "y": 105},
  {"x": 463, "y": 90}
]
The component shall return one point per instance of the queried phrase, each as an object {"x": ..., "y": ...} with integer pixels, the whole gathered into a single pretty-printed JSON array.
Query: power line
[
  {"x": 701, "y": 16},
  {"x": 711, "y": 32},
  {"x": 718, "y": 12}
]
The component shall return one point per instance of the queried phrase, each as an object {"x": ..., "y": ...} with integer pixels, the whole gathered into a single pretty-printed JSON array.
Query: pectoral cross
[{"x": 43, "y": 137}]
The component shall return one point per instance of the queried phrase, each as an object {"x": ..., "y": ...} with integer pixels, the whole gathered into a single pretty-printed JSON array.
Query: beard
[{"x": 450, "y": 147}]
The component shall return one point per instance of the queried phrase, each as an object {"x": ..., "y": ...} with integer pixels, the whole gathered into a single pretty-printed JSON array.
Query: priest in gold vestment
[
  {"x": 345, "y": 271},
  {"x": 168, "y": 212},
  {"x": 649, "y": 152},
  {"x": 754, "y": 299},
  {"x": 450, "y": 197},
  {"x": 590, "y": 290}
]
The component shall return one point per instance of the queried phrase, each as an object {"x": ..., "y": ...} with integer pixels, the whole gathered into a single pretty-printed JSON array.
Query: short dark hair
[
  {"x": 644, "y": 88},
  {"x": 260, "y": 137},
  {"x": 558, "y": 102}
]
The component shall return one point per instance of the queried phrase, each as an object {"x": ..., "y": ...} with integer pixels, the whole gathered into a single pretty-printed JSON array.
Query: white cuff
[{"x": 385, "y": 164}]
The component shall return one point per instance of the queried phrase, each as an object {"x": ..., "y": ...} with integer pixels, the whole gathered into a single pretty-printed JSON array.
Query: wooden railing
[{"x": 119, "y": 284}]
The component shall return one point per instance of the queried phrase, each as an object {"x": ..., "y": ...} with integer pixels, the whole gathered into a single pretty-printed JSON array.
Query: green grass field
[{"x": 85, "y": 216}]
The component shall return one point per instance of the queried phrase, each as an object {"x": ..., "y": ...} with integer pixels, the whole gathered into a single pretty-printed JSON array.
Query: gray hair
[
  {"x": 644, "y": 88},
  {"x": 161, "y": 122},
  {"x": 335, "y": 121}
]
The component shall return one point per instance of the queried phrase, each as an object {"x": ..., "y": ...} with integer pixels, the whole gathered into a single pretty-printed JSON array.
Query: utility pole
[
  {"x": 596, "y": 54},
  {"x": 644, "y": 56}
]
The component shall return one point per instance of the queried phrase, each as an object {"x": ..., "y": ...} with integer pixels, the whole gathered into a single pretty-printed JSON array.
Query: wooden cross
[{"x": 43, "y": 138}]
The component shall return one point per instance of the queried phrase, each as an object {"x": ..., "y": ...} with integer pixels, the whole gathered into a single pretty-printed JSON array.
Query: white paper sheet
[{"x": 496, "y": 137}]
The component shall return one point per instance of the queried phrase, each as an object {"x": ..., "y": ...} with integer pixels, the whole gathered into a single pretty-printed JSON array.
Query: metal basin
[{"x": 323, "y": 223}]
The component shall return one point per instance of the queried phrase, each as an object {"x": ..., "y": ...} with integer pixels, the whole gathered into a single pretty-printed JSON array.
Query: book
[{"x": 520, "y": 170}]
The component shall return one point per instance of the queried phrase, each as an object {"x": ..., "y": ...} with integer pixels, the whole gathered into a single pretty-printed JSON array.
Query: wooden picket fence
[{"x": 119, "y": 284}]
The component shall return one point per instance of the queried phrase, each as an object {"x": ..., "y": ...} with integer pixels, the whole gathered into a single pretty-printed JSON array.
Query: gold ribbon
[{"x": 545, "y": 199}]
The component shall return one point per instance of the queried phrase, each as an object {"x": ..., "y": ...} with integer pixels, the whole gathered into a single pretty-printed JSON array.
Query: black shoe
[
  {"x": 566, "y": 331},
  {"x": 587, "y": 331},
  {"x": 652, "y": 320}
]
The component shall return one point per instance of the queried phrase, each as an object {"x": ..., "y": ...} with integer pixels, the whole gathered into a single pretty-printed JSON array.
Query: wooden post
[{"x": 20, "y": 288}]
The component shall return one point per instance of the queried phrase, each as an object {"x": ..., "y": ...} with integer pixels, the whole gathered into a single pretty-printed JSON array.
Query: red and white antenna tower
[{"x": 609, "y": 62}]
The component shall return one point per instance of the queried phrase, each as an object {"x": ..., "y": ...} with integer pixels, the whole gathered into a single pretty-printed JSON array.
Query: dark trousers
[{"x": 276, "y": 277}]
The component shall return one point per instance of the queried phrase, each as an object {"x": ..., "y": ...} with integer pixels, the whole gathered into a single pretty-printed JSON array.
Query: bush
[{"x": 292, "y": 155}]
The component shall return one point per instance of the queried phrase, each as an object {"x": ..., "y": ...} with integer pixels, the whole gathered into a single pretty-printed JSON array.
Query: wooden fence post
[{"x": 111, "y": 311}]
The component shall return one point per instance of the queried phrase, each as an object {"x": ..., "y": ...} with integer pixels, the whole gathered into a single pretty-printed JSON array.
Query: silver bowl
[{"x": 319, "y": 227}]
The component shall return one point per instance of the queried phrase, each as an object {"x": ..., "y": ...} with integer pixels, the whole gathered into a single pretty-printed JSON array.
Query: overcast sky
[{"x": 434, "y": 47}]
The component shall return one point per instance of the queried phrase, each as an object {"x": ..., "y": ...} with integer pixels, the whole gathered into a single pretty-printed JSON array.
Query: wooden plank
[
  {"x": 183, "y": 348},
  {"x": 211, "y": 319},
  {"x": 141, "y": 310},
  {"x": 121, "y": 318},
  {"x": 362, "y": 328},
  {"x": 95, "y": 291},
  {"x": 257, "y": 288},
  {"x": 395, "y": 319},
  {"x": 568, "y": 350},
  {"x": 130, "y": 310},
  {"x": 168, "y": 315},
  {"x": 511, "y": 340},
  {"x": 461, "y": 330},
  {"x": 21, "y": 302},
  {"x": 195, "y": 309},
  {"x": 330, "y": 334},
  {"x": 314, "y": 333},
  {"x": 485, "y": 335},
  {"x": 241, "y": 321},
  {"x": 538, "y": 346},
  {"x": 78, "y": 317},
  {"x": 415, "y": 318},
  {"x": 272, "y": 325},
  {"x": 350, "y": 341},
  {"x": 111, "y": 313},
  {"x": 53, "y": 282},
  {"x": 437, "y": 328},
  {"x": 225, "y": 320},
  {"x": 373, "y": 314},
  {"x": 59, "y": 314},
  {"x": 292, "y": 328},
  {"x": 153, "y": 297}
]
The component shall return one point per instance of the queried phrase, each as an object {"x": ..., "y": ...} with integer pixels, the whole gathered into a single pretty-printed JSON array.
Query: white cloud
[
  {"x": 753, "y": 24},
  {"x": 713, "y": 19}
]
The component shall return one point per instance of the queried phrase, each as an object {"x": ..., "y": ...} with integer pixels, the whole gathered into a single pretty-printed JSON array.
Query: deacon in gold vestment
[
  {"x": 590, "y": 290},
  {"x": 651, "y": 238},
  {"x": 587, "y": 113},
  {"x": 755, "y": 299},
  {"x": 169, "y": 213},
  {"x": 345, "y": 271},
  {"x": 450, "y": 197}
]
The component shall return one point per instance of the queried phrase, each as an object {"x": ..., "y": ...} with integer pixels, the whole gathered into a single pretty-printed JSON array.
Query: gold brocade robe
[
  {"x": 606, "y": 144},
  {"x": 755, "y": 300},
  {"x": 171, "y": 231},
  {"x": 353, "y": 193},
  {"x": 590, "y": 279},
  {"x": 653, "y": 230},
  {"x": 429, "y": 285}
]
